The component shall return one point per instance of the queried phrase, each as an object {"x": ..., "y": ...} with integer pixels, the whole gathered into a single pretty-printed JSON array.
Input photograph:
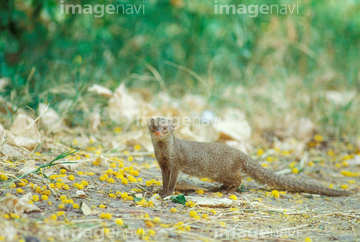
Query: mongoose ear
[
  {"x": 150, "y": 121},
  {"x": 173, "y": 124}
]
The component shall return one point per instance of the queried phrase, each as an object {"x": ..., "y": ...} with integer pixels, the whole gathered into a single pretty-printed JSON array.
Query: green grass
[{"x": 189, "y": 49}]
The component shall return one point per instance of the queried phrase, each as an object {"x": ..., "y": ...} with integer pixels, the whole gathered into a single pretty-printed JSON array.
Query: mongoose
[{"x": 217, "y": 161}]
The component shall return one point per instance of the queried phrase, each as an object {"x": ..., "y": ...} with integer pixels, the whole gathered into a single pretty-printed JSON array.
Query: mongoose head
[{"x": 161, "y": 128}]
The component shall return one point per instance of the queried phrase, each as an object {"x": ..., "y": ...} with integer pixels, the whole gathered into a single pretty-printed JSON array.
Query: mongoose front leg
[
  {"x": 174, "y": 174},
  {"x": 165, "y": 172}
]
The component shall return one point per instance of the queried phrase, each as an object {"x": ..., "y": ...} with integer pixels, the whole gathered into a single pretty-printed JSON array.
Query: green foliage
[{"x": 52, "y": 57}]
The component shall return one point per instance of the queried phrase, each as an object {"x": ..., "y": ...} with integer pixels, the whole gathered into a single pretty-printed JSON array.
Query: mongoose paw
[
  {"x": 165, "y": 194},
  {"x": 220, "y": 189}
]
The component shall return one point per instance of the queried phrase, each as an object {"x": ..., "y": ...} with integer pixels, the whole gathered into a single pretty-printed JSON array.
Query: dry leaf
[
  {"x": 12, "y": 151},
  {"x": 195, "y": 103},
  {"x": 100, "y": 90},
  {"x": 72, "y": 166},
  {"x": 211, "y": 202},
  {"x": 4, "y": 81},
  {"x": 2, "y": 134},
  {"x": 85, "y": 209},
  {"x": 9, "y": 232},
  {"x": 28, "y": 167},
  {"x": 242, "y": 146},
  {"x": 133, "y": 138},
  {"x": 81, "y": 193},
  {"x": 49, "y": 117},
  {"x": 233, "y": 126},
  {"x": 340, "y": 98},
  {"x": 355, "y": 161},
  {"x": 123, "y": 105},
  {"x": 12, "y": 204},
  {"x": 304, "y": 129},
  {"x": 24, "y": 131},
  {"x": 156, "y": 199},
  {"x": 94, "y": 121}
]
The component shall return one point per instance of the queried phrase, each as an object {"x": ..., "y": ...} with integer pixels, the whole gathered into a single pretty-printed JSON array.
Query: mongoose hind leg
[{"x": 230, "y": 183}]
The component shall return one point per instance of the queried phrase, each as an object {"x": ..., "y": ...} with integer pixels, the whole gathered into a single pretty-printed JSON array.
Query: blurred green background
[{"x": 51, "y": 57}]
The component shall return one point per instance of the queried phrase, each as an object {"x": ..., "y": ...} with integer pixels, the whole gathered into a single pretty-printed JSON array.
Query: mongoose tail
[{"x": 263, "y": 176}]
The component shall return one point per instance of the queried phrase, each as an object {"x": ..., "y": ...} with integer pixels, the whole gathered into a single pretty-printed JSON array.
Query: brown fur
[{"x": 217, "y": 161}]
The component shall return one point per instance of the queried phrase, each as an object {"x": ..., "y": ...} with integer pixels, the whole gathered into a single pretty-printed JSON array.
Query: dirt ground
[{"x": 111, "y": 195}]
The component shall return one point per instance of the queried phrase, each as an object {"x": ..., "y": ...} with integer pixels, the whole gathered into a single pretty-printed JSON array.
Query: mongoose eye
[{"x": 165, "y": 128}]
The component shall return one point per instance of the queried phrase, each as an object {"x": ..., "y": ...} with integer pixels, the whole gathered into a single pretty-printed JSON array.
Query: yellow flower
[
  {"x": 131, "y": 159},
  {"x": 3, "y": 177},
  {"x": 124, "y": 181},
  {"x": 318, "y": 138},
  {"x": 53, "y": 217},
  {"x": 131, "y": 178},
  {"x": 260, "y": 152},
  {"x": 35, "y": 198},
  {"x": 270, "y": 159},
  {"x": 76, "y": 206},
  {"x": 80, "y": 173},
  {"x": 44, "y": 197},
  {"x": 275, "y": 193},
  {"x": 117, "y": 129},
  {"x": 60, "y": 213},
  {"x": 19, "y": 190},
  {"x": 13, "y": 215},
  {"x": 156, "y": 220},
  {"x": 111, "y": 180},
  {"x": 149, "y": 224},
  {"x": 199, "y": 191},
  {"x": 233, "y": 197},
  {"x": 113, "y": 165},
  {"x": 62, "y": 171},
  {"x": 105, "y": 216},
  {"x": 112, "y": 195},
  {"x": 71, "y": 177},
  {"x": 61, "y": 206},
  {"x": 134, "y": 172},
  {"x": 204, "y": 215},
  {"x": 190, "y": 204},
  {"x": 173, "y": 210},
  {"x": 140, "y": 232},
  {"x": 344, "y": 186},
  {"x": 124, "y": 195},
  {"x": 307, "y": 239},
  {"x": 192, "y": 213},
  {"x": 295, "y": 170},
  {"x": 102, "y": 206},
  {"x": 151, "y": 232},
  {"x": 119, "y": 222},
  {"x": 137, "y": 147},
  {"x": 213, "y": 211},
  {"x": 331, "y": 153}
]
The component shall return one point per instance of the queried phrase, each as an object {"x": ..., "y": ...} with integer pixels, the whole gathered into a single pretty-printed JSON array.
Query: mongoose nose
[{"x": 157, "y": 132}]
